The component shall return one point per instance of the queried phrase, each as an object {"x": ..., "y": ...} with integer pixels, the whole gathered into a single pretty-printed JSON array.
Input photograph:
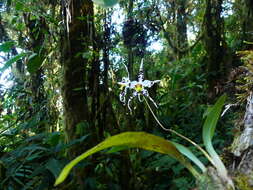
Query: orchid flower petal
[
  {"x": 122, "y": 96},
  {"x": 130, "y": 99},
  {"x": 145, "y": 93},
  {"x": 139, "y": 97},
  {"x": 149, "y": 84},
  {"x": 141, "y": 72},
  {"x": 133, "y": 84}
]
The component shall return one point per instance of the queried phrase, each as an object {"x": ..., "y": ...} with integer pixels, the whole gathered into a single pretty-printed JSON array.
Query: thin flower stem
[{"x": 178, "y": 134}]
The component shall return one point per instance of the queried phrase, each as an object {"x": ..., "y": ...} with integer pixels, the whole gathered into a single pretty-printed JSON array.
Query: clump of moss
[{"x": 242, "y": 182}]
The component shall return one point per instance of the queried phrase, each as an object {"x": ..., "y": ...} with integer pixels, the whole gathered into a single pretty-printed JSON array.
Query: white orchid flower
[{"x": 138, "y": 87}]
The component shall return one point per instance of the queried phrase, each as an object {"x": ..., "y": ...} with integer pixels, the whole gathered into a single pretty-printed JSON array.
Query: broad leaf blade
[
  {"x": 12, "y": 60},
  {"x": 54, "y": 166},
  {"x": 7, "y": 46},
  {"x": 188, "y": 153},
  {"x": 34, "y": 63},
  {"x": 212, "y": 119},
  {"x": 117, "y": 149},
  {"x": 208, "y": 132},
  {"x": 132, "y": 140}
]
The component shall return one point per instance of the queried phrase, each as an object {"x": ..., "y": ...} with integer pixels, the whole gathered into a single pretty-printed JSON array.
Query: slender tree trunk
[
  {"x": 106, "y": 61},
  {"x": 76, "y": 39},
  {"x": 218, "y": 58},
  {"x": 181, "y": 25},
  {"x": 37, "y": 32},
  {"x": 247, "y": 25},
  {"x": 128, "y": 35},
  {"x": 130, "y": 54}
]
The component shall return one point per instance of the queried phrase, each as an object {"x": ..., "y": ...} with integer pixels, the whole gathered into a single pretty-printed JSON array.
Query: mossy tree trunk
[
  {"x": 129, "y": 37},
  {"x": 242, "y": 147},
  {"x": 75, "y": 42},
  {"x": 37, "y": 31},
  {"x": 181, "y": 25},
  {"x": 247, "y": 24},
  {"x": 217, "y": 55}
]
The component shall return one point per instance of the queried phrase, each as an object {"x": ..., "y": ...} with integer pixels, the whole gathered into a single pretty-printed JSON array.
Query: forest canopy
[{"x": 126, "y": 94}]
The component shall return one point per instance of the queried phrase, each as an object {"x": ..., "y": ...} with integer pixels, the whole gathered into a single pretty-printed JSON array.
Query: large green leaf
[
  {"x": 188, "y": 153},
  {"x": 7, "y": 46},
  {"x": 54, "y": 166},
  {"x": 106, "y": 3},
  {"x": 132, "y": 140},
  {"x": 12, "y": 60},
  {"x": 34, "y": 62},
  {"x": 212, "y": 119},
  {"x": 208, "y": 132}
]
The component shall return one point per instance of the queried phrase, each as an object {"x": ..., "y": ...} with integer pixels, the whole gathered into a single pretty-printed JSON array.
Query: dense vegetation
[{"x": 71, "y": 76}]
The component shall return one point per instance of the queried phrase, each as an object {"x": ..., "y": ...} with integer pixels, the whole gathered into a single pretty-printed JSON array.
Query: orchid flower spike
[{"x": 138, "y": 88}]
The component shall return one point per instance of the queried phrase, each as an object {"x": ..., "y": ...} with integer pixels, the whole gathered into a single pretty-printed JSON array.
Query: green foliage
[
  {"x": 242, "y": 182},
  {"x": 244, "y": 76},
  {"x": 211, "y": 121},
  {"x": 106, "y": 3},
  {"x": 36, "y": 163},
  {"x": 181, "y": 96},
  {"x": 132, "y": 140},
  {"x": 12, "y": 60},
  {"x": 187, "y": 152},
  {"x": 7, "y": 46},
  {"x": 32, "y": 132},
  {"x": 30, "y": 166},
  {"x": 154, "y": 143},
  {"x": 34, "y": 62},
  {"x": 208, "y": 133}
]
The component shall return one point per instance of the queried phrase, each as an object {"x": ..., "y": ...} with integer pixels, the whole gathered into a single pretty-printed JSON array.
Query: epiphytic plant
[{"x": 154, "y": 143}]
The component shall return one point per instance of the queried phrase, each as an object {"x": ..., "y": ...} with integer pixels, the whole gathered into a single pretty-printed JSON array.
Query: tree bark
[
  {"x": 247, "y": 24},
  {"x": 37, "y": 29},
  {"x": 217, "y": 55},
  {"x": 181, "y": 25},
  {"x": 76, "y": 39},
  {"x": 129, "y": 37},
  {"x": 242, "y": 148}
]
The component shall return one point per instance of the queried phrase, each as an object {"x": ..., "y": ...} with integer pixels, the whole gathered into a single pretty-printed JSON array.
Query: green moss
[{"x": 242, "y": 183}]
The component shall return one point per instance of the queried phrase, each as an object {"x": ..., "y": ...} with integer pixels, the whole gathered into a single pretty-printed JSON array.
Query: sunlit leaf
[
  {"x": 213, "y": 115},
  {"x": 208, "y": 133},
  {"x": 132, "y": 140},
  {"x": 188, "y": 153},
  {"x": 12, "y": 60},
  {"x": 117, "y": 149},
  {"x": 7, "y": 46}
]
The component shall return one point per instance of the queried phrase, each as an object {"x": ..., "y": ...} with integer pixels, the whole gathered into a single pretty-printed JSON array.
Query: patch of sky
[
  {"x": 227, "y": 8},
  {"x": 5, "y": 75},
  {"x": 118, "y": 18}
]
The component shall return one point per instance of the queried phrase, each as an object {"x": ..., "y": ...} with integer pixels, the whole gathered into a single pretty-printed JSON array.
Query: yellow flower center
[{"x": 138, "y": 88}]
